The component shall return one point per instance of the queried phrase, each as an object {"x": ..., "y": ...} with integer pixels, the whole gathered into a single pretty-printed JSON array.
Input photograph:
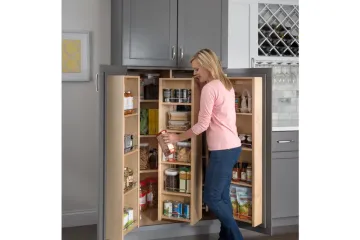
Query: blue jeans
[{"x": 217, "y": 190}]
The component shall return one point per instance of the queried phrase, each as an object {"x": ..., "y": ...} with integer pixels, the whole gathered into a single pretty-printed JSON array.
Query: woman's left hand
[{"x": 171, "y": 138}]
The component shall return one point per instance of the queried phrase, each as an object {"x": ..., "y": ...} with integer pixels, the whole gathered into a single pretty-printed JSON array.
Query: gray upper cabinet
[
  {"x": 166, "y": 33},
  {"x": 202, "y": 24},
  {"x": 149, "y": 33}
]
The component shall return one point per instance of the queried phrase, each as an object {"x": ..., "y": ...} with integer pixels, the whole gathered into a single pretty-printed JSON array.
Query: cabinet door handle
[
  {"x": 181, "y": 53},
  {"x": 97, "y": 83},
  {"x": 173, "y": 53},
  {"x": 252, "y": 62},
  {"x": 285, "y": 141}
]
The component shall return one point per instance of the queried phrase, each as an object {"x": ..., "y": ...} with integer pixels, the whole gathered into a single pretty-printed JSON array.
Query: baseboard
[
  {"x": 285, "y": 225},
  {"x": 79, "y": 218}
]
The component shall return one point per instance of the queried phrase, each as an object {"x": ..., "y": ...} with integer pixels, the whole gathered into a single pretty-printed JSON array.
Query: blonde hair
[{"x": 209, "y": 60}]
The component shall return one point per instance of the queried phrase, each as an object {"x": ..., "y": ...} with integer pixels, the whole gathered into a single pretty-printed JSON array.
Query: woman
[{"x": 218, "y": 118}]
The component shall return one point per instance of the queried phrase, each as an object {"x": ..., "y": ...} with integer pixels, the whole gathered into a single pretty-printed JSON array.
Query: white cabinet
[{"x": 262, "y": 30}]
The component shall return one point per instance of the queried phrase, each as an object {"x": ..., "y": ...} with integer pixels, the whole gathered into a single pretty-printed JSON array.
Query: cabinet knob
[{"x": 181, "y": 53}]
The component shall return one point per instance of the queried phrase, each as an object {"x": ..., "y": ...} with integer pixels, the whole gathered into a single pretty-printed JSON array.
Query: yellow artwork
[{"x": 71, "y": 56}]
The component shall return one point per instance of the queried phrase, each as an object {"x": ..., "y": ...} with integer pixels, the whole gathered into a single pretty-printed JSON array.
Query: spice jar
[
  {"x": 183, "y": 152},
  {"x": 236, "y": 172},
  {"x": 243, "y": 172},
  {"x": 167, "y": 148},
  {"x": 152, "y": 197},
  {"x": 131, "y": 178},
  {"x": 126, "y": 178},
  {"x": 172, "y": 179},
  {"x": 128, "y": 103},
  {"x": 248, "y": 173},
  {"x": 143, "y": 191},
  {"x": 153, "y": 159},
  {"x": 144, "y": 156}
]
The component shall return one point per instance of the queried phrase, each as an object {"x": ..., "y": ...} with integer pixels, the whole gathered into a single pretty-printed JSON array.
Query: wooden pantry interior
[{"x": 138, "y": 180}]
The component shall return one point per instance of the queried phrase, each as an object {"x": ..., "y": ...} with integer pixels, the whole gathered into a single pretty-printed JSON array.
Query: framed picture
[{"x": 75, "y": 56}]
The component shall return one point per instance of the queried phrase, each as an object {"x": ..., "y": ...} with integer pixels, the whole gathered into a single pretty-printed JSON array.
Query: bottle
[{"x": 248, "y": 173}]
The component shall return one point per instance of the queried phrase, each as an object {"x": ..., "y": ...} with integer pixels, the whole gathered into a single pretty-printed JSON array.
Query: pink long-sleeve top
[{"x": 217, "y": 117}]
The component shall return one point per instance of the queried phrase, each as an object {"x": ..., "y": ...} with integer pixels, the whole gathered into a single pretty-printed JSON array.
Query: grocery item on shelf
[
  {"x": 152, "y": 195},
  {"x": 183, "y": 152},
  {"x": 128, "y": 103},
  {"x": 153, "y": 159},
  {"x": 241, "y": 201},
  {"x": 143, "y": 191},
  {"x": 128, "y": 217},
  {"x": 144, "y": 156},
  {"x": 176, "y": 209},
  {"x": 177, "y": 95},
  {"x": 153, "y": 121},
  {"x": 246, "y": 140},
  {"x": 144, "y": 121},
  {"x": 128, "y": 178},
  {"x": 179, "y": 116},
  {"x": 167, "y": 148},
  {"x": 178, "y": 125},
  {"x": 246, "y": 102},
  {"x": 128, "y": 142},
  {"x": 172, "y": 179}
]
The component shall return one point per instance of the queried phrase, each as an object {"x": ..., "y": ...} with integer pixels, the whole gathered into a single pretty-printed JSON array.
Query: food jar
[
  {"x": 183, "y": 152},
  {"x": 172, "y": 179},
  {"x": 152, "y": 197},
  {"x": 128, "y": 103},
  {"x": 167, "y": 148},
  {"x": 144, "y": 156},
  {"x": 143, "y": 191},
  {"x": 126, "y": 178},
  {"x": 153, "y": 159},
  {"x": 131, "y": 178}
]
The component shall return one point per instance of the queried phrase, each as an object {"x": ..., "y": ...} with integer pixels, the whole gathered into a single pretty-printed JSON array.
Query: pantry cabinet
[
  {"x": 122, "y": 211},
  {"x": 166, "y": 33}
]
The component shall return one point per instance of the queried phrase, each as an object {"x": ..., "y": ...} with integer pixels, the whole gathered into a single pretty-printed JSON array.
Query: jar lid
[
  {"x": 183, "y": 144},
  {"x": 144, "y": 144},
  {"x": 143, "y": 183},
  {"x": 172, "y": 172}
]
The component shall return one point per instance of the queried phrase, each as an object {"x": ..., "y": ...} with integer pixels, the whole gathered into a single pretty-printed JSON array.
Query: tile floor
[{"x": 89, "y": 233}]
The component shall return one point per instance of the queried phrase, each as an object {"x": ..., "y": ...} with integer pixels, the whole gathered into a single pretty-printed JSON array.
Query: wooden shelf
[
  {"x": 176, "y": 104},
  {"x": 130, "y": 228},
  {"x": 176, "y": 163},
  {"x": 176, "y": 194},
  {"x": 131, "y": 115},
  {"x": 149, "y": 101},
  {"x": 244, "y": 184},
  {"x": 149, "y": 171},
  {"x": 176, "y": 219},
  {"x": 244, "y": 114},
  {"x": 131, "y": 152},
  {"x": 147, "y": 136},
  {"x": 242, "y": 220},
  {"x": 246, "y": 148},
  {"x": 127, "y": 192},
  {"x": 150, "y": 217}
]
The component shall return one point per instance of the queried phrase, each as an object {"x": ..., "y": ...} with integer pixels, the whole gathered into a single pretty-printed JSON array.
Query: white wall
[{"x": 80, "y": 118}]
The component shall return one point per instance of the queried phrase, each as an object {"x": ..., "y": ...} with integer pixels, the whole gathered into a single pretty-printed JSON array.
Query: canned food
[
  {"x": 168, "y": 208},
  {"x": 177, "y": 209},
  {"x": 177, "y": 93},
  {"x": 185, "y": 95},
  {"x": 166, "y": 94},
  {"x": 186, "y": 211}
]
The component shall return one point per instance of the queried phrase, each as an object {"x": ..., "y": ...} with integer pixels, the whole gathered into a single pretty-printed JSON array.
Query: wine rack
[{"x": 278, "y": 30}]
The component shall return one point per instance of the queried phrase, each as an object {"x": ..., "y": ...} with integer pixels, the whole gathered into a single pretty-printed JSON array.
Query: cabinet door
[
  {"x": 114, "y": 125},
  {"x": 202, "y": 24},
  {"x": 285, "y": 187},
  {"x": 149, "y": 33},
  {"x": 191, "y": 191}
]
